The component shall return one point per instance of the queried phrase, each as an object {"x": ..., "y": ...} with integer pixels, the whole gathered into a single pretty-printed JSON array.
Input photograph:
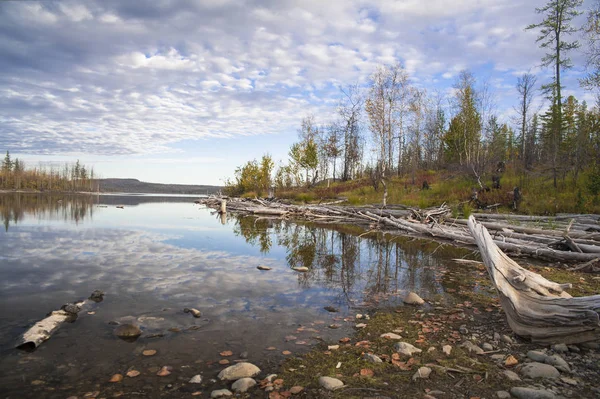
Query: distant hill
[{"x": 136, "y": 186}]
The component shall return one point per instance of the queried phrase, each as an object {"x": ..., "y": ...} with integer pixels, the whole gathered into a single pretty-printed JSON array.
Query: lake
[{"x": 153, "y": 256}]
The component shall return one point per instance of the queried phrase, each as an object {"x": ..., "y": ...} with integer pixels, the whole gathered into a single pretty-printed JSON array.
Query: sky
[{"x": 183, "y": 91}]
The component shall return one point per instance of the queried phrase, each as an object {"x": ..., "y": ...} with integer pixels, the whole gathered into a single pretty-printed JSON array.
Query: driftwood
[
  {"x": 537, "y": 308},
  {"x": 43, "y": 329},
  {"x": 570, "y": 238}
]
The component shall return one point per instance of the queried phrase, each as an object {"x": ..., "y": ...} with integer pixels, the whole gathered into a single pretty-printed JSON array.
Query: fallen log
[
  {"x": 536, "y": 308},
  {"x": 43, "y": 329}
]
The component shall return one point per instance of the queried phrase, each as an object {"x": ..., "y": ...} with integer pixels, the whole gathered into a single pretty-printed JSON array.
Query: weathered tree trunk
[
  {"x": 43, "y": 329},
  {"x": 537, "y": 308},
  {"x": 223, "y": 209}
]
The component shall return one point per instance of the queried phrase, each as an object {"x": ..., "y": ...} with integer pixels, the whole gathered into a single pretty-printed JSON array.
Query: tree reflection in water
[{"x": 374, "y": 269}]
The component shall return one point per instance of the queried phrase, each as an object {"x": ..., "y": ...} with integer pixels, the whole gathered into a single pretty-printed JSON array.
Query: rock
[
  {"x": 496, "y": 337},
  {"x": 560, "y": 348},
  {"x": 406, "y": 349},
  {"x": 413, "y": 299},
  {"x": 128, "y": 331},
  {"x": 537, "y": 356},
  {"x": 531, "y": 393},
  {"x": 195, "y": 312},
  {"x": 330, "y": 383},
  {"x": 391, "y": 336},
  {"x": 164, "y": 371},
  {"x": 590, "y": 345},
  {"x": 506, "y": 339},
  {"x": 471, "y": 347},
  {"x": 422, "y": 372},
  {"x": 558, "y": 362},
  {"x": 240, "y": 370},
  {"x": 133, "y": 373},
  {"x": 333, "y": 347},
  {"x": 221, "y": 393},
  {"x": 497, "y": 357},
  {"x": 539, "y": 370},
  {"x": 243, "y": 384},
  {"x": 574, "y": 348},
  {"x": 149, "y": 352},
  {"x": 361, "y": 325},
  {"x": 502, "y": 395},
  {"x": 447, "y": 349},
  {"x": 463, "y": 329},
  {"x": 271, "y": 377},
  {"x": 265, "y": 268},
  {"x": 431, "y": 349},
  {"x": 359, "y": 316},
  {"x": 331, "y": 309},
  {"x": 116, "y": 378},
  {"x": 296, "y": 389},
  {"x": 570, "y": 381},
  {"x": 302, "y": 269},
  {"x": 97, "y": 296},
  {"x": 511, "y": 375},
  {"x": 511, "y": 361},
  {"x": 197, "y": 379},
  {"x": 372, "y": 358},
  {"x": 487, "y": 347}
]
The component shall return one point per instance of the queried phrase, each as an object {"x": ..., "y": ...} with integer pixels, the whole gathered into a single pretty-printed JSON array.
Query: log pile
[
  {"x": 536, "y": 308},
  {"x": 566, "y": 238}
]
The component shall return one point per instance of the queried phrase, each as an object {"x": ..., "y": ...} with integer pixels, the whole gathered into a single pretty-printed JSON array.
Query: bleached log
[
  {"x": 43, "y": 329},
  {"x": 535, "y": 307}
]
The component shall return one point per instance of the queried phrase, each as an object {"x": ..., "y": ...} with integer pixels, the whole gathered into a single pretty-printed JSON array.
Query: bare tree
[{"x": 526, "y": 88}]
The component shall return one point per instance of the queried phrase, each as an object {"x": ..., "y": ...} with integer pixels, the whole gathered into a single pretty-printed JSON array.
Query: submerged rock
[
  {"x": 240, "y": 370},
  {"x": 331, "y": 309},
  {"x": 128, "y": 331},
  {"x": 195, "y": 312},
  {"x": 97, "y": 296}
]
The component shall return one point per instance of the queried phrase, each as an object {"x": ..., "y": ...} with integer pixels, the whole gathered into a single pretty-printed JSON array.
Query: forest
[{"x": 390, "y": 137}]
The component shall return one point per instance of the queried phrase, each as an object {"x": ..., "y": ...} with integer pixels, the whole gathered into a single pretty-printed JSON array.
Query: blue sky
[{"x": 184, "y": 91}]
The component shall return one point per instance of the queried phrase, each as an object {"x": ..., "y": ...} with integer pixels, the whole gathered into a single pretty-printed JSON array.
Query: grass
[{"x": 539, "y": 196}]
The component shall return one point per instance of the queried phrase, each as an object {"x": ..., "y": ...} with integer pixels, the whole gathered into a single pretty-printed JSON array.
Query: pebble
[
  {"x": 372, "y": 358},
  {"x": 511, "y": 361},
  {"x": 447, "y": 349},
  {"x": 164, "y": 371},
  {"x": 503, "y": 395},
  {"x": 511, "y": 375},
  {"x": 149, "y": 352},
  {"x": 472, "y": 348},
  {"x": 330, "y": 383},
  {"x": 133, "y": 373},
  {"x": 240, "y": 370},
  {"x": 116, "y": 378},
  {"x": 413, "y": 299},
  {"x": 560, "y": 348},
  {"x": 559, "y": 363},
  {"x": 539, "y": 370},
  {"x": 531, "y": 393},
  {"x": 197, "y": 379},
  {"x": 537, "y": 356},
  {"x": 221, "y": 393},
  {"x": 506, "y": 339},
  {"x": 301, "y": 269},
  {"x": 265, "y": 268},
  {"x": 296, "y": 389},
  {"x": 128, "y": 331},
  {"x": 406, "y": 349},
  {"x": 570, "y": 381},
  {"x": 361, "y": 325},
  {"x": 243, "y": 385},
  {"x": 487, "y": 347},
  {"x": 422, "y": 372},
  {"x": 391, "y": 336},
  {"x": 333, "y": 347},
  {"x": 194, "y": 312},
  {"x": 331, "y": 309}
]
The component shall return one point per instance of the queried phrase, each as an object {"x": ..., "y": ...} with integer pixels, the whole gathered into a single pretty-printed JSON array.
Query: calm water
[{"x": 159, "y": 255}]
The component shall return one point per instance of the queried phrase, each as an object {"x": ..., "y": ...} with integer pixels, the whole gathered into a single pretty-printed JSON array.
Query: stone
[
  {"x": 128, "y": 331},
  {"x": 361, "y": 325},
  {"x": 413, "y": 299},
  {"x": 391, "y": 336},
  {"x": 563, "y": 348},
  {"x": 164, "y": 371},
  {"x": 537, "y": 356},
  {"x": 237, "y": 371},
  {"x": 506, "y": 339},
  {"x": 406, "y": 349},
  {"x": 559, "y": 363},
  {"x": 264, "y": 268},
  {"x": 197, "y": 379},
  {"x": 133, "y": 373},
  {"x": 502, "y": 395},
  {"x": 497, "y": 357},
  {"x": 221, "y": 393},
  {"x": 422, "y": 372},
  {"x": 194, "y": 312},
  {"x": 496, "y": 337},
  {"x": 243, "y": 385},
  {"x": 149, "y": 352},
  {"x": 359, "y": 316},
  {"x": 511, "y": 375},
  {"x": 569, "y": 381},
  {"x": 333, "y": 347},
  {"x": 590, "y": 345},
  {"x": 531, "y": 393},
  {"x": 372, "y": 358},
  {"x": 330, "y": 384},
  {"x": 487, "y": 347},
  {"x": 296, "y": 389},
  {"x": 116, "y": 378},
  {"x": 271, "y": 377},
  {"x": 539, "y": 370},
  {"x": 331, "y": 309},
  {"x": 447, "y": 349},
  {"x": 301, "y": 269},
  {"x": 471, "y": 347}
]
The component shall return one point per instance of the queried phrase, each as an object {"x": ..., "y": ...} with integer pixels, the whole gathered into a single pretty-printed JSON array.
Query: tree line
[
  {"x": 392, "y": 127},
  {"x": 16, "y": 175}
]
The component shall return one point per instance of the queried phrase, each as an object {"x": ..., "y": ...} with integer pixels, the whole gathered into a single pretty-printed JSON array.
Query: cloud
[{"x": 125, "y": 77}]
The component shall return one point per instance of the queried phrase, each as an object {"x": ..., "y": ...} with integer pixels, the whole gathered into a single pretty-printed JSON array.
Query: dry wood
[{"x": 537, "y": 308}]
